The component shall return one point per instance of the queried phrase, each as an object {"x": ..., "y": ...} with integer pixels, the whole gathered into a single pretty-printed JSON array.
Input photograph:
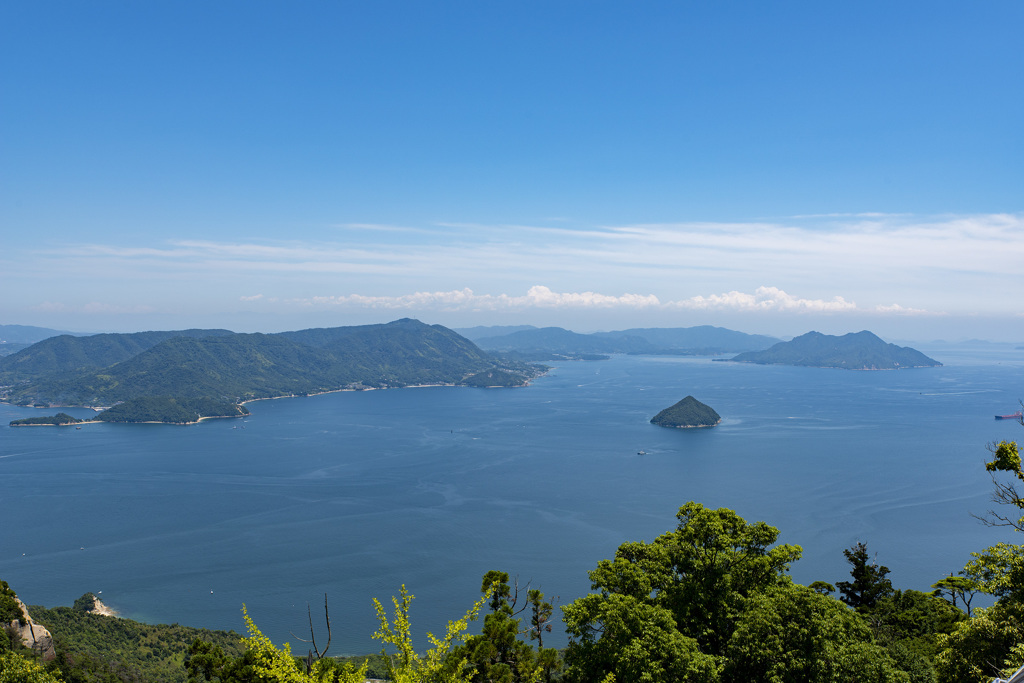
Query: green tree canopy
[
  {"x": 869, "y": 582},
  {"x": 793, "y": 634},
  {"x": 673, "y": 603}
]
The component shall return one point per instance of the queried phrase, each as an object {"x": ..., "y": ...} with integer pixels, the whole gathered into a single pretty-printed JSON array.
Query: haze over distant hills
[
  {"x": 855, "y": 351},
  {"x": 27, "y": 334},
  {"x": 549, "y": 342},
  {"x": 14, "y": 338}
]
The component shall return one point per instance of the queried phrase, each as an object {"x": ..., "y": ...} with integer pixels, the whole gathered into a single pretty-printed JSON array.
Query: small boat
[
  {"x": 1015, "y": 416},
  {"x": 641, "y": 452}
]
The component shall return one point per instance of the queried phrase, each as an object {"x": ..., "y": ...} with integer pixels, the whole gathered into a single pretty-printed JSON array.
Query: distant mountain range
[
  {"x": 14, "y": 338},
  {"x": 553, "y": 342},
  {"x": 854, "y": 351},
  {"x": 153, "y": 375},
  {"x": 27, "y": 334}
]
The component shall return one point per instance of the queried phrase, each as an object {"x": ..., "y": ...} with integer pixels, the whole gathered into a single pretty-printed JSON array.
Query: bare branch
[
  {"x": 327, "y": 618},
  {"x": 515, "y": 596},
  {"x": 312, "y": 636}
]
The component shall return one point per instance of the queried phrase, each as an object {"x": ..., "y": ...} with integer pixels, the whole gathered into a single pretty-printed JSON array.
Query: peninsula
[{"x": 686, "y": 414}]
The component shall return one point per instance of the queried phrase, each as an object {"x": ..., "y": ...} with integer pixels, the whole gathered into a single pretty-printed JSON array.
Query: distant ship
[{"x": 1015, "y": 416}]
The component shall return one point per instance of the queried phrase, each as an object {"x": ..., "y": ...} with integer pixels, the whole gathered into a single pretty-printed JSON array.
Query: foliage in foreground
[{"x": 17, "y": 669}]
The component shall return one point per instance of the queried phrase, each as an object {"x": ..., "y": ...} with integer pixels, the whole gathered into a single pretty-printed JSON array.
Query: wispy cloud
[
  {"x": 381, "y": 227},
  {"x": 887, "y": 264},
  {"x": 538, "y": 296}
]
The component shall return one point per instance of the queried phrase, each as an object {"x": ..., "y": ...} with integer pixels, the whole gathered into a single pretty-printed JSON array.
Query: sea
[{"x": 349, "y": 496}]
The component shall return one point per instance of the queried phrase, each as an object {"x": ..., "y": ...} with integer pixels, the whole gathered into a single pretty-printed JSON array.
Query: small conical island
[{"x": 686, "y": 414}]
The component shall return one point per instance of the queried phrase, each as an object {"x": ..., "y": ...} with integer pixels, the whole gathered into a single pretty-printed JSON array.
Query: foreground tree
[
  {"x": 540, "y": 623},
  {"x": 711, "y": 602},
  {"x": 957, "y": 590},
  {"x": 869, "y": 582},
  {"x": 991, "y": 642},
  {"x": 436, "y": 666},
  {"x": 265, "y": 662},
  {"x": 1006, "y": 458},
  {"x": 793, "y": 634},
  {"x": 670, "y": 606},
  {"x": 983, "y": 647},
  {"x": 497, "y": 655},
  {"x": 17, "y": 669}
]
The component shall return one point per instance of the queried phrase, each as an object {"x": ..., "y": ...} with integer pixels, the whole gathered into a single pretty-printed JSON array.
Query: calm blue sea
[{"x": 355, "y": 494}]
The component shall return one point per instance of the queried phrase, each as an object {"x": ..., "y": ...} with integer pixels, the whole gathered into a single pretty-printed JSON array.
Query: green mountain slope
[
  {"x": 166, "y": 381},
  {"x": 854, "y": 351},
  {"x": 94, "y": 647},
  {"x": 66, "y": 353}
]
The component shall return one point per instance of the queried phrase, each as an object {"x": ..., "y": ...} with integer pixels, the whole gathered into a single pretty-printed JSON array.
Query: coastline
[
  {"x": 66, "y": 424},
  {"x": 267, "y": 398}
]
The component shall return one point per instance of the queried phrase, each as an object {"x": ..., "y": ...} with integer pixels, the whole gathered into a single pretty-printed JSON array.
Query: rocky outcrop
[{"x": 32, "y": 635}]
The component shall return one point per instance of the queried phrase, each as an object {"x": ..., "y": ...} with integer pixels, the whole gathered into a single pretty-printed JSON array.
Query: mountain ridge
[
  {"x": 853, "y": 351},
  {"x": 219, "y": 371}
]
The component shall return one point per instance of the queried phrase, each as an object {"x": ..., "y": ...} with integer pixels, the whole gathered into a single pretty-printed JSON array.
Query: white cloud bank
[
  {"x": 763, "y": 299},
  {"x": 538, "y": 296}
]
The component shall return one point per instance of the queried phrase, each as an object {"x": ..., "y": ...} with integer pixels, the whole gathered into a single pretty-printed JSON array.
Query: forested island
[
  {"x": 855, "y": 351},
  {"x": 687, "y": 413},
  {"x": 58, "y": 420},
  {"x": 184, "y": 376}
]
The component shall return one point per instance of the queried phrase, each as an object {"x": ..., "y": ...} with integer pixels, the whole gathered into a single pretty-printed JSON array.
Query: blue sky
[{"x": 260, "y": 166}]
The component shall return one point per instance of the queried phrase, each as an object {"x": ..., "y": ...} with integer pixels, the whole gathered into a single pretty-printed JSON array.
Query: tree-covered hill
[
  {"x": 54, "y": 420},
  {"x": 854, "y": 351},
  {"x": 170, "y": 409},
  {"x": 92, "y": 647},
  {"x": 66, "y": 353},
  {"x": 688, "y": 412},
  {"x": 184, "y": 377}
]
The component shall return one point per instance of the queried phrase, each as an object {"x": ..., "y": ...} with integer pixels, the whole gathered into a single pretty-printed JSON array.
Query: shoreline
[
  {"x": 264, "y": 398},
  {"x": 66, "y": 424}
]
